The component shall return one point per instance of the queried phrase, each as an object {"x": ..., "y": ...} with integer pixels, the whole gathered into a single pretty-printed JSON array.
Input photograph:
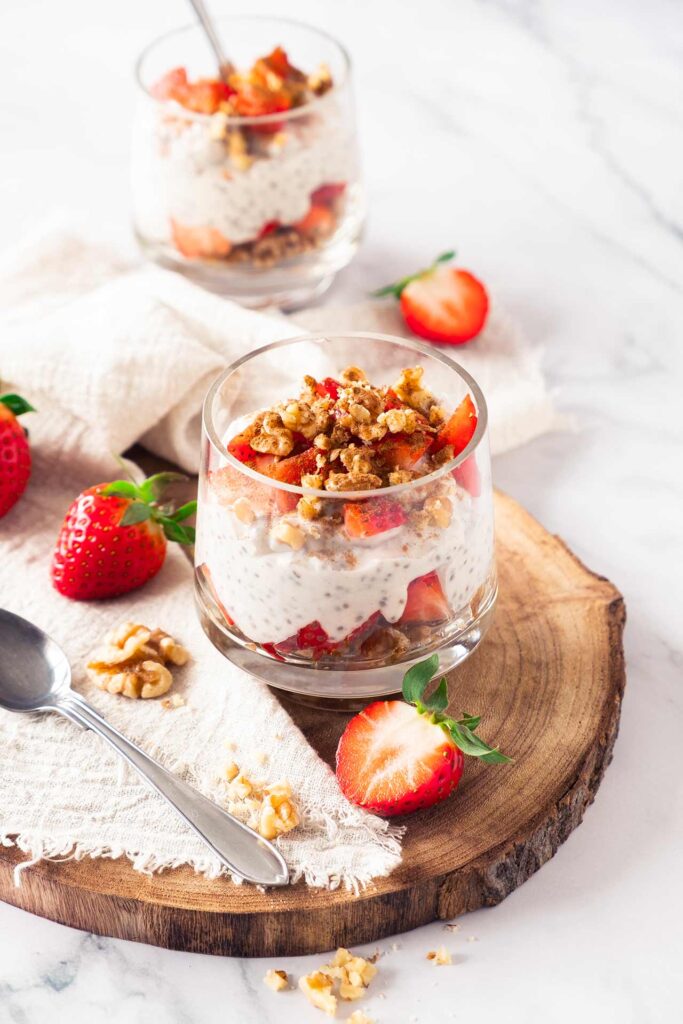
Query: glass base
[
  {"x": 291, "y": 285},
  {"x": 347, "y": 689}
]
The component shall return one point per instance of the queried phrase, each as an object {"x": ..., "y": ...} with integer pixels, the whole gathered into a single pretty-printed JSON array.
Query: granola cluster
[{"x": 364, "y": 436}]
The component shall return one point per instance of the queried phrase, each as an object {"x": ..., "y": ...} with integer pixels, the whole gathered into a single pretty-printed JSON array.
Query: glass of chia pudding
[
  {"x": 345, "y": 521},
  {"x": 248, "y": 180}
]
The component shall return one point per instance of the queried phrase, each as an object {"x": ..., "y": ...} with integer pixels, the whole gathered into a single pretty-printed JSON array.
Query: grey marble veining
[{"x": 545, "y": 141}]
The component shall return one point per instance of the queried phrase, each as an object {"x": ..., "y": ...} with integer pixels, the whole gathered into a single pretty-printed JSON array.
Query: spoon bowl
[{"x": 34, "y": 671}]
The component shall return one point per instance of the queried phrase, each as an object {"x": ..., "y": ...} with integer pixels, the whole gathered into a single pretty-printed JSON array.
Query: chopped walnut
[
  {"x": 443, "y": 456},
  {"x": 278, "y": 813},
  {"x": 132, "y": 661},
  {"x": 386, "y": 642},
  {"x": 286, "y": 533},
  {"x": 358, "y": 1017},
  {"x": 400, "y": 421},
  {"x": 277, "y": 980},
  {"x": 440, "y": 956},
  {"x": 272, "y": 436},
  {"x": 354, "y": 974},
  {"x": 410, "y": 390},
  {"x": 269, "y": 809},
  {"x": 174, "y": 701},
  {"x": 231, "y": 771},
  {"x": 439, "y": 510},
  {"x": 352, "y": 482},
  {"x": 400, "y": 476},
  {"x": 317, "y": 988},
  {"x": 243, "y": 510},
  {"x": 320, "y": 81},
  {"x": 352, "y": 374},
  {"x": 312, "y": 480},
  {"x": 309, "y": 508}
]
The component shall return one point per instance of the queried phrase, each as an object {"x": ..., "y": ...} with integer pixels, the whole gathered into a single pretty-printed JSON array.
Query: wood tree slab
[{"x": 549, "y": 677}]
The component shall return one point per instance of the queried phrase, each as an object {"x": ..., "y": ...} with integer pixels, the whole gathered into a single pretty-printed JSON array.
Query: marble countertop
[{"x": 544, "y": 140}]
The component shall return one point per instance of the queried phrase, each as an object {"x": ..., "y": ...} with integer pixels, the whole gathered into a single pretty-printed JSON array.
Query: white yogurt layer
[
  {"x": 200, "y": 185},
  {"x": 272, "y": 591}
]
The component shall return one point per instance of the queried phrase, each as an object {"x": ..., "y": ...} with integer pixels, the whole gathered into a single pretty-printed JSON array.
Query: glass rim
[
  {"x": 240, "y": 119},
  {"x": 394, "y": 489}
]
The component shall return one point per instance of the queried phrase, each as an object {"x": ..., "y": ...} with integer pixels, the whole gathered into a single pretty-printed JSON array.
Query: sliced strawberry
[
  {"x": 403, "y": 451},
  {"x": 318, "y": 223},
  {"x": 468, "y": 476},
  {"x": 399, "y": 756},
  {"x": 442, "y": 303},
  {"x": 206, "y": 95},
  {"x": 426, "y": 601},
  {"x": 393, "y": 760},
  {"x": 278, "y": 61},
  {"x": 368, "y": 518},
  {"x": 252, "y": 100},
  {"x": 328, "y": 388},
  {"x": 290, "y": 471},
  {"x": 459, "y": 429},
  {"x": 199, "y": 242},
  {"x": 268, "y": 228},
  {"x": 171, "y": 86},
  {"x": 326, "y": 195}
]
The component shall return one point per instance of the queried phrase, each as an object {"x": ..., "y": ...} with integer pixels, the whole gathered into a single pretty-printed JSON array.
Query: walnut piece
[
  {"x": 358, "y": 1017},
  {"x": 317, "y": 988},
  {"x": 269, "y": 810},
  {"x": 277, "y": 980},
  {"x": 132, "y": 661},
  {"x": 441, "y": 957}
]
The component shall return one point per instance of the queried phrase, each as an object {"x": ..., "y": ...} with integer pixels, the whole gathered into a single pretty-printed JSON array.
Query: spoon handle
[
  {"x": 224, "y": 66},
  {"x": 242, "y": 850}
]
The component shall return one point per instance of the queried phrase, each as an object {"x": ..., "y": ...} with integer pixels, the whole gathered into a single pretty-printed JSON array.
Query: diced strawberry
[
  {"x": 468, "y": 476},
  {"x": 256, "y": 101},
  {"x": 328, "y": 388},
  {"x": 290, "y": 471},
  {"x": 206, "y": 95},
  {"x": 240, "y": 448},
  {"x": 314, "y": 638},
  {"x": 199, "y": 242},
  {"x": 426, "y": 601},
  {"x": 318, "y": 223},
  {"x": 268, "y": 228},
  {"x": 392, "y": 401},
  {"x": 171, "y": 86},
  {"x": 368, "y": 518},
  {"x": 277, "y": 61},
  {"x": 392, "y": 760},
  {"x": 327, "y": 194},
  {"x": 403, "y": 451},
  {"x": 459, "y": 429}
]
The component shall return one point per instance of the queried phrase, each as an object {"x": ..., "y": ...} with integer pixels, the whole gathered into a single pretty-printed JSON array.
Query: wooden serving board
[{"x": 549, "y": 678}]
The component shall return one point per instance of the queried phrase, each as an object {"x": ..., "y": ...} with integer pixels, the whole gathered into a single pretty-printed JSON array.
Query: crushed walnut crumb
[
  {"x": 441, "y": 957},
  {"x": 277, "y": 980},
  {"x": 269, "y": 809}
]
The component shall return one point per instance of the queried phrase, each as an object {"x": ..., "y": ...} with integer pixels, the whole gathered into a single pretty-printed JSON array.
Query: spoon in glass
[
  {"x": 225, "y": 68},
  {"x": 35, "y": 676}
]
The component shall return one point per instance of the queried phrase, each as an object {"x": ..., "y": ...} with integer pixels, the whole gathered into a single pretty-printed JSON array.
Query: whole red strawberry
[
  {"x": 399, "y": 756},
  {"x": 444, "y": 304},
  {"x": 15, "y": 454},
  {"x": 113, "y": 538}
]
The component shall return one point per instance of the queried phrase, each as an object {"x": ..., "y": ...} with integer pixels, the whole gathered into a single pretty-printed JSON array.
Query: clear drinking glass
[
  {"x": 327, "y": 617},
  {"x": 262, "y": 209}
]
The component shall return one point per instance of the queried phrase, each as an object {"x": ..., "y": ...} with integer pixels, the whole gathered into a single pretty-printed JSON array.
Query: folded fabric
[{"x": 111, "y": 354}]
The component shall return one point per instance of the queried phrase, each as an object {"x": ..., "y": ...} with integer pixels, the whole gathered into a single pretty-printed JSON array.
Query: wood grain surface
[{"x": 549, "y": 679}]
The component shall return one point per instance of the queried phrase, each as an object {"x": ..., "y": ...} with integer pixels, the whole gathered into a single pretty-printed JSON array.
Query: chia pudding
[
  {"x": 376, "y": 554},
  {"x": 214, "y": 186}
]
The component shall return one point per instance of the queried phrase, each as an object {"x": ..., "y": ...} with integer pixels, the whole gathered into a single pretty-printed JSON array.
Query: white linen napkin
[{"x": 110, "y": 354}]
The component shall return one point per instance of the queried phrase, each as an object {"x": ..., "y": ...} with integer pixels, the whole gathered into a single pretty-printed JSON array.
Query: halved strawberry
[
  {"x": 468, "y": 476},
  {"x": 318, "y": 223},
  {"x": 426, "y": 601},
  {"x": 403, "y": 451},
  {"x": 290, "y": 471},
  {"x": 396, "y": 757},
  {"x": 327, "y": 194},
  {"x": 444, "y": 304},
  {"x": 368, "y": 518},
  {"x": 202, "y": 242},
  {"x": 459, "y": 429}
]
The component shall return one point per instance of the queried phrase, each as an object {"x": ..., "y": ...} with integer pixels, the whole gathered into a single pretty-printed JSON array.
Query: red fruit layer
[
  {"x": 426, "y": 601},
  {"x": 368, "y": 518},
  {"x": 459, "y": 430}
]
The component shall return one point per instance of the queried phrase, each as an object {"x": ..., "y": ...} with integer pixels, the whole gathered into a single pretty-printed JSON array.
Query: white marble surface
[{"x": 544, "y": 140}]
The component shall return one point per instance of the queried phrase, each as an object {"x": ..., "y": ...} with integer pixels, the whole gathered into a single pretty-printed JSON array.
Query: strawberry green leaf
[
  {"x": 471, "y": 744},
  {"x": 416, "y": 679},
  {"x": 176, "y": 532},
  {"x": 471, "y": 721},
  {"x": 137, "y": 512},
  {"x": 121, "y": 489},
  {"x": 16, "y": 404},
  {"x": 397, "y": 288},
  {"x": 438, "y": 701},
  {"x": 152, "y": 488},
  {"x": 184, "y": 512}
]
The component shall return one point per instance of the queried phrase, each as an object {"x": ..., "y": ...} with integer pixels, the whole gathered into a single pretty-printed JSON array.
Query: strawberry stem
[
  {"x": 397, "y": 288},
  {"x": 461, "y": 731},
  {"x": 145, "y": 505}
]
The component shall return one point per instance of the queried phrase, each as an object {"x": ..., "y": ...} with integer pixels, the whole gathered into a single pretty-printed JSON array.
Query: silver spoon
[
  {"x": 225, "y": 67},
  {"x": 35, "y": 676}
]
